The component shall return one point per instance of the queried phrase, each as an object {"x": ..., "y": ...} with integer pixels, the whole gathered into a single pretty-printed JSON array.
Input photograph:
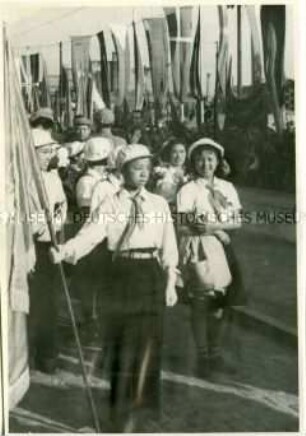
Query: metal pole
[
  {"x": 216, "y": 90},
  {"x": 239, "y": 52}
]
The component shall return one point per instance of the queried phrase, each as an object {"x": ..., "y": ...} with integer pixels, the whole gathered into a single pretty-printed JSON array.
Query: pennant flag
[
  {"x": 180, "y": 28},
  {"x": 173, "y": 30},
  {"x": 222, "y": 69},
  {"x": 256, "y": 46},
  {"x": 195, "y": 67},
  {"x": 65, "y": 110},
  {"x": 34, "y": 82},
  {"x": 44, "y": 88},
  {"x": 22, "y": 200},
  {"x": 273, "y": 20},
  {"x": 120, "y": 88},
  {"x": 80, "y": 69},
  {"x": 156, "y": 33},
  {"x": 139, "y": 72},
  {"x": 105, "y": 77}
]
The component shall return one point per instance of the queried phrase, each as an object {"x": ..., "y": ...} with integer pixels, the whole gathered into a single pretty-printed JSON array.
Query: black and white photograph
[{"x": 150, "y": 217}]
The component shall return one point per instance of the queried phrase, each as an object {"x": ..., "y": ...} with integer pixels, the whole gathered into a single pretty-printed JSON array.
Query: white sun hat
[
  {"x": 205, "y": 142},
  {"x": 131, "y": 152}
]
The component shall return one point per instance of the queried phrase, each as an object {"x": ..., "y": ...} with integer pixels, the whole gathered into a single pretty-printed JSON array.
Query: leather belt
[{"x": 132, "y": 254}]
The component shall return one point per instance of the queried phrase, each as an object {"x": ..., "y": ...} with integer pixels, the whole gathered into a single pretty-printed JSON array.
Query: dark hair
[
  {"x": 197, "y": 151},
  {"x": 44, "y": 122},
  {"x": 97, "y": 162},
  {"x": 169, "y": 144}
]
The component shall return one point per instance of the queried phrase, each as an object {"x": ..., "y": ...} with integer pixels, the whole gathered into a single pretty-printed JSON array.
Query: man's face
[{"x": 82, "y": 132}]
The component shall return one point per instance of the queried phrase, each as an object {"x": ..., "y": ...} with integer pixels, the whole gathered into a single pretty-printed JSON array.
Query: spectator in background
[
  {"x": 82, "y": 128},
  {"x": 104, "y": 120},
  {"x": 171, "y": 174},
  {"x": 43, "y": 337}
]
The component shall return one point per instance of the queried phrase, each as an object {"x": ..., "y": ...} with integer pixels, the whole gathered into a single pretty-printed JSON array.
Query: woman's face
[
  {"x": 177, "y": 155},
  {"x": 44, "y": 155},
  {"x": 137, "y": 173},
  {"x": 206, "y": 162}
]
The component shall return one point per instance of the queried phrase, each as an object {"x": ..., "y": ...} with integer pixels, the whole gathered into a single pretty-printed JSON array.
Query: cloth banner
[
  {"x": 180, "y": 28},
  {"x": 105, "y": 76},
  {"x": 156, "y": 33},
  {"x": 22, "y": 200},
  {"x": 120, "y": 88},
  {"x": 273, "y": 21},
  {"x": 80, "y": 70}
]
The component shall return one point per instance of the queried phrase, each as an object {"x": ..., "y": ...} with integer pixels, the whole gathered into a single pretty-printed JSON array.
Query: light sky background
[{"x": 38, "y": 29}]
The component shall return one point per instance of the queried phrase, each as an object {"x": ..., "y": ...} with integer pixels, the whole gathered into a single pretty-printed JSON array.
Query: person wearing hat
[
  {"x": 171, "y": 174},
  {"x": 42, "y": 319},
  {"x": 82, "y": 128},
  {"x": 141, "y": 277},
  {"x": 104, "y": 121},
  {"x": 91, "y": 189},
  {"x": 73, "y": 172},
  {"x": 208, "y": 208},
  {"x": 42, "y": 119}
]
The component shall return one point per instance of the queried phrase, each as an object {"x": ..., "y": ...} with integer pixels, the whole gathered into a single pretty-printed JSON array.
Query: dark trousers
[
  {"x": 42, "y": 320},
  {"x": 132, "y": 323}
]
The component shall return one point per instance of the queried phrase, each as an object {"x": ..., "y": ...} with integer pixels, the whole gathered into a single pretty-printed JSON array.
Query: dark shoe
[
  {"x": 204, "y": 368},
  {"x": 48, "y": 366},
  {"x": 218, "y": 364}
]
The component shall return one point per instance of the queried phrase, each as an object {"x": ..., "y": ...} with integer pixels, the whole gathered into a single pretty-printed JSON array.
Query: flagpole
[
  {"x": 216, "y": 89},
  {"x": 239, "y": 51},
  {"x": 201, "y": 71}
]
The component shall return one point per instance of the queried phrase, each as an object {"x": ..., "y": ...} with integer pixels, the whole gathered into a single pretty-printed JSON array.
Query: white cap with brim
[
  {"x": 42, "y": 138},
  {"x": 205, "y": 142},
  {"x": 75, "y": 148},
  {"x": 130, "y": 153},
  {"x": 97, "y": 149}
]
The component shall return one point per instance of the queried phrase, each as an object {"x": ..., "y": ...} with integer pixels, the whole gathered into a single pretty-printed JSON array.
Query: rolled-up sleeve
[{"x": 169, "y": 250}]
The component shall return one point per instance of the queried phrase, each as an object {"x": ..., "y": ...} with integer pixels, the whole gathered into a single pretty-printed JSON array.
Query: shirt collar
[
  {"x": 200, "y": 181},
  {"x": 124, "y": 193},
  {"x": 93, "y": 173}
]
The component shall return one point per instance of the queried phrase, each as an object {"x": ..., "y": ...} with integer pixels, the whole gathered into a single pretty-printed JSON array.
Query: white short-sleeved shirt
[
  {"x": 194, "y": 198},
  {"x": 57, "y": 203},
  {"x": 85, "y": 187},
  {"x": 156, "y": 231},
  {"x": 104, "y": 188}
]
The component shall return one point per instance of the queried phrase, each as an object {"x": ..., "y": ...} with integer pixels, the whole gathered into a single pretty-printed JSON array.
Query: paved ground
[
  {"x": 269, "y": 271},
  {"x": 261, "y": 397}
]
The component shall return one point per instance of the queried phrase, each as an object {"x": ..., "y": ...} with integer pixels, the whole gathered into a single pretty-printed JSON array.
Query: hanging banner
[
  {"x": 256, "y": 46},
  {"x": 195, "y": 66},
  {"x": 180, "y": 28},
  {"x": 80, "y": 70},
  {"x": 273, "y": 21},
  {"x": 105, "y": 76},
  {"x": 222, "y": 67},
  {"x": 120, "y": 65},
  {"x": 22, "y": 200},
  {"x": 139, "y": 72},
  {"x": 173, "y": 30},
  {"x": 156, "y": 33}
]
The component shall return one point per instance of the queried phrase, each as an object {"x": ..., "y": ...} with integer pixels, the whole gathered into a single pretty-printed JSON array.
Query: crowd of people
[{"x": 143, "y": 228}]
